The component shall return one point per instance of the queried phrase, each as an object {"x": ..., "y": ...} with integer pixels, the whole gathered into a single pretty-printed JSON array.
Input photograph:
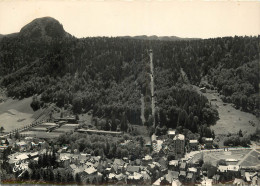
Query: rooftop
[
  {"x": 171, "y": 132},
  {"x": 193, "y": 141},
  {"x": 90, "y": 170},
  {"x": 192, "y": 169},
  {"x": 118, "y": 162},
  {"x": 189, "y": 175},
  {"x": 22, "y": 157},
  {"x": 208, "y": 139},
  {"x": 174, "y": 162},
  {"x": 183, "y": 165},
  {"x": 182, "y": 173},
  {"x": 179, "y": 137},
  {"x": 172, "y": 175},
  {"x": 147, "y": 157},
  {"x": 135, "y": 176}
]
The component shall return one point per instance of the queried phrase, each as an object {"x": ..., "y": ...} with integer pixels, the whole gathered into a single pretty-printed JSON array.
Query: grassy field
[
  {"x": 16, "y": 113},
  {"x": 230, "y": 120},
  {"x": 245, "y": 157},
  {"x": 19, "y": 105}
]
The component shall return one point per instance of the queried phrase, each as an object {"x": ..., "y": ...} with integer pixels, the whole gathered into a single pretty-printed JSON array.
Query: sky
[{"x": 193, "y": 19}]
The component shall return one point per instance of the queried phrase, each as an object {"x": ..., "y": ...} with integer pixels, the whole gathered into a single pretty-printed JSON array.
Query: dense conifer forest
[{"x": 108, "y": 75}]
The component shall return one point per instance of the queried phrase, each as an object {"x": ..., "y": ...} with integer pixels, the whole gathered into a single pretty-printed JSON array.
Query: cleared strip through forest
[{"x": 152, "y": 86}]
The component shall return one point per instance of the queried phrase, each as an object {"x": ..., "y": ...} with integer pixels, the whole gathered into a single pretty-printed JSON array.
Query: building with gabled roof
[{"x": 90, "y": 171}]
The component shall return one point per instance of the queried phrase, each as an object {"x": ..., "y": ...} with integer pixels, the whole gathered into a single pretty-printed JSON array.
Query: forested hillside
[{"x": 109, "y": 74}]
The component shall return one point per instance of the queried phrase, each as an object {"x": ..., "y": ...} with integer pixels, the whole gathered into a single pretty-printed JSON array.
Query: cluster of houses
[
  {"x": 178, "y": 147},
  {"x": 179, "y": 172},
  {"x": 147, "y": 170},
  {"x": 123, "y": 170}
]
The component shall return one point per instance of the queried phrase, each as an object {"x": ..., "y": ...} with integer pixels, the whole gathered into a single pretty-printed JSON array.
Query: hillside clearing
[
  {"x": 16, "y": 113},
  {"x": 230, "y": 120}
]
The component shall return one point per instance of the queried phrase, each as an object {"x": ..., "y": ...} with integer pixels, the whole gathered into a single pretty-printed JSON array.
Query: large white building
[{"x": 179, "y": 145}]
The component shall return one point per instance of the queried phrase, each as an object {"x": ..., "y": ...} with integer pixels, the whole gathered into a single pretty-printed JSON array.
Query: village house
[
  {"x": 64, "y": 160},
  {"x": 231, "y": 161},
  {"x": 121, "y": 178},
  {"x": 173, "y": 165},
  {"x": 146, "y": 178},
  {"x": 193, "y": 145},
  {"x": 117, "y": 169},
  {"x": 72, "y": 167},
  {"x": 158, "y": 181},
  {"x": 90, "y": 171},
  {"x": 208, "y": 143},
  {"x": 118, "y": 162},
  {"x": 171, "y": 133},
  {"x": 226, "y": 168},
  {"x": 250, "y": 176},
  {"x": 17, "y": 157},
  {"x": 172, "y": 175},
  {"x": 183, "y": 166},
  {"x": 176, "y": 183},
  {"x": 190, "y": 177},
  {"x": 179, "y": 145},
  {"x": 146, "y": 160},
  {"x": 22, "y": 145},
  {"x": 164, "y": 165},
  {"x": 194, "y": 171},
  {"x": 182, "y": 176}
]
